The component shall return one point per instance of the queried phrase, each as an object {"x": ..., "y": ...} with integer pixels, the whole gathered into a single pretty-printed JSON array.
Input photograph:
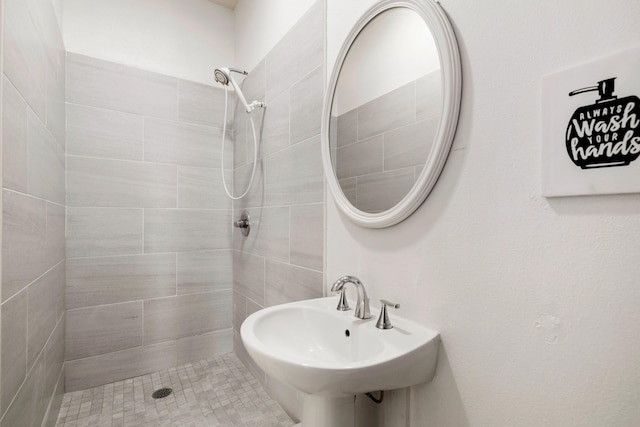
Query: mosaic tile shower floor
[{"x": 214, "y": 392}]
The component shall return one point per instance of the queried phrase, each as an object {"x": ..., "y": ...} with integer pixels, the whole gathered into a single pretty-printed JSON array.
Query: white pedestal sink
[{"x": 332, "y": 356}]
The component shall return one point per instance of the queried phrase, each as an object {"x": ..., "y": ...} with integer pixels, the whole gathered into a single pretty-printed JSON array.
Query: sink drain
[{"x": 161, "y": 392}]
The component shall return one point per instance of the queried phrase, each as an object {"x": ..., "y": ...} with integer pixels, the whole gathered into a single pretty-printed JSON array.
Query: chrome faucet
[{"x": 362, "y": 303}]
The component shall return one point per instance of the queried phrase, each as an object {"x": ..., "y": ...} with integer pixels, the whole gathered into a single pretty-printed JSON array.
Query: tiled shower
[{"x": 118, "y": 255}]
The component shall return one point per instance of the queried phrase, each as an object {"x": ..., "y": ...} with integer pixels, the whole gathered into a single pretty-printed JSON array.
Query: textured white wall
[
  {"x": 537, "y": 300},
  {"x": 186, "y": 39},
  {"x": 261, "y": 24}
]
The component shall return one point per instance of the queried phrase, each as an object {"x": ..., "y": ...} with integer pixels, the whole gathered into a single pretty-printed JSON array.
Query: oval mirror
[{"x": 391, "y": 111}]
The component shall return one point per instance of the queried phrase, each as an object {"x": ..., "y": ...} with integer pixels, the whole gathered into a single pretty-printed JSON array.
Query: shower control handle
[{"x": 244, "y": 223}]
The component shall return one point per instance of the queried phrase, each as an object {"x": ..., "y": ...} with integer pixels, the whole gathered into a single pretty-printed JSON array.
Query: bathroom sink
[{"x": 319, "y": 350}]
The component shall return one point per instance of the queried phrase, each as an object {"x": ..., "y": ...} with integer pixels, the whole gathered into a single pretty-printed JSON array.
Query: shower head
[{"x": 224, "y": 77}]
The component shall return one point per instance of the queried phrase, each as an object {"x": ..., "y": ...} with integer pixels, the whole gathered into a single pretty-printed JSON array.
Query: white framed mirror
[{"x": 391, "y": 111}]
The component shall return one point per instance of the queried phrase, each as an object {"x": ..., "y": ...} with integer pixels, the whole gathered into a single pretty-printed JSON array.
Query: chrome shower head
[{"x": 223, "y": 76}]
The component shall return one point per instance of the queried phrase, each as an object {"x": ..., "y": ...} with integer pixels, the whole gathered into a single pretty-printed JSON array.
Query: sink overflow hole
[
  {"x": 347, "y": 333},
  {"x": 161, "y": 392}
]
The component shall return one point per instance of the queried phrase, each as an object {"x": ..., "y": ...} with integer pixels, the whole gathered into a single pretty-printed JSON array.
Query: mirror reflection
[{"x": 386, "y": 110}]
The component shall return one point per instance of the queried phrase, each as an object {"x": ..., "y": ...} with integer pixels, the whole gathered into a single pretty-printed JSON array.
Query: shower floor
[{"x": 213, "y": 392}]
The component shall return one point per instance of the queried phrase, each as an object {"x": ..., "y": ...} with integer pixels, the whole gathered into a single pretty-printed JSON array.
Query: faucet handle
[
  {"x": 343, "y": 304},
  {"x": 383, "y": 320}
]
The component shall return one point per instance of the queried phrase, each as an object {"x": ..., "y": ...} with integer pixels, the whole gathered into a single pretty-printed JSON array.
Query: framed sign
[{"x": 591, "y": 128}]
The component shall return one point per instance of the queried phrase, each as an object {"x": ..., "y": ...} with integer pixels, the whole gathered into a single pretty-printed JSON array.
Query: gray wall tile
[
  {"x": 45, "y": 169},
  {"x": 56, "y": 115},
  {"x": 201, "y": 188},
  {"x": 186, "y": 315},
  {"x": 103, "y": 84},
  {"x": 104, "y": 231},
  {"x": 380, "y": 191},
  {"x": 13, "y": 348},
  {"x": 107, "y": 368},
  {"x": 288, "y": 182},
  {"x": 275, "y": 133},
  {"x": 306, "y": 99},
  {"x": 119, "y": 183},
  {"x": 104, "y": 133},
  {"x": 25, "y": 62},
  {"x": 45, "y": 305},
  {"x": 24, "y": 254},
  {"x": 199, "y": 347},
  {"x": 204, "y": 271},
  {"x": 202, "y": 104},
  {"x": 29, "y": 405},
  {"x": 108, "y": 280},
  {"x": 248, "y": 276},
  {"x": 287, "y": 283},
  {"x": 256, "y": 194},
  {"x": 349, "y": 188},
  {"x": 347, "y": 128},
  {"x": 178, "y": 230},
  {"x": 409, "y": 145},
  {"x": 55, "y": 234},
  {"x": 103, "y": 329},
  {"x": 307, "y": 236},
  {"x": 54, "y": 358},
  {"x": 182, "y": 143},
  {"x": 390, "y": 111},
  {"x": 429, "y": 96},
  {"x": 299, "y": 52},
  {"x": 362, "y": 158},
  {"x": 14, "y": 138}
]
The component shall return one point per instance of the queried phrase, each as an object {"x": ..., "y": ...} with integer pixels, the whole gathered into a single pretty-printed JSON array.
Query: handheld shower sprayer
[{"x": 224, "y": 77}]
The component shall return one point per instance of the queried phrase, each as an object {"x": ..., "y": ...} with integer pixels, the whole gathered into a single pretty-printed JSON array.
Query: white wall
[
  {"x": 261, "y": 24},
  {"x": 537, "y": 300},
  {"x": 186, "y": 39}
]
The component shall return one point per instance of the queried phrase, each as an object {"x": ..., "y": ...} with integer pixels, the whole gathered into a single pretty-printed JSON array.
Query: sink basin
[{"x": 319, "y": 350}]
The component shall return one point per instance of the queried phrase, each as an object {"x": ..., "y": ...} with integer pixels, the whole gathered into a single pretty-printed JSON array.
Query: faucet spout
[{"x": 362, "y": 303}]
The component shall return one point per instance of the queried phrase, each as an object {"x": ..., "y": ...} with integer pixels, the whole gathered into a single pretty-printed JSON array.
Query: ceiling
[{"x": 231, "y": 4}]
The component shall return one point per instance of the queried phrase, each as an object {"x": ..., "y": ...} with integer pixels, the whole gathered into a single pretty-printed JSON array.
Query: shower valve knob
[{"x": 243, "y": 223}]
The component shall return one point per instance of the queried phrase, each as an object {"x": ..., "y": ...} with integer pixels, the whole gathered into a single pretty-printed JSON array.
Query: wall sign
[{"x": 591, "y": 128}]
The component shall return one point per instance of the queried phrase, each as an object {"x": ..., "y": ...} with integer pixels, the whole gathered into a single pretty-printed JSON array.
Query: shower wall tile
[
  {"x": 202, "y": 104},
  {"x": 97, "y": 370},
  {"x": 45, "y": 305},
  {"x": 104, "y": 231},
  {"x": 55, "y": 100},
  {"x": 248, "y": 276},
  {"x": 362, "y": 158},
  {"x": 103, "y": 133},
  {"x": 181, "y": 143},
  {"x": 299, "y": 52},
  {"x": 45, "y": 166},
  {"x": 116, "y": 279},
  {"x": 96, "y": 83},
  {"x": 253, "y": 85},
  {"x": 289, "y": 183},
  {"x": 54, "y": 357},
  {"x": 14, "y": 138},
  {"x": 429, "y": 96},
  {"x": 409, "y": 145},
  {"x": 205, "y": 346},
  {"x": 307, "y": 236},
  {"x": 393, "y": 110},
  {"x": 349, "y": 187},
  {"x": 55, "y": 233},
  {"x": 287, "y": 283},
  {"x": 275, "y": 133},
  {"x": 29, "y": 405},
  {"x": 307, "y": 98},
  {"x": 204, "y": 271},
  {"x": 24, "y": 254},
  {"x": 269, "y": 235},
  {"x": 378, "y": 191},
  {"x": 104, "y": 329},
  {"x": 118, "y": 183},
  {"x": 180, "y": 230},
  {"x": 13, "y": 348},
  {"x": 201, "y": 188},
  {"x": 186, "y": 315},
  {"x": 25, "y": 59},
  {"x": 256, "y": 194}
]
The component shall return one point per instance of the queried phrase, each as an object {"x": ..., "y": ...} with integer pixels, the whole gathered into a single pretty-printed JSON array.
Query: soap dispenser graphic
[{"x": 607, "y": 133}]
